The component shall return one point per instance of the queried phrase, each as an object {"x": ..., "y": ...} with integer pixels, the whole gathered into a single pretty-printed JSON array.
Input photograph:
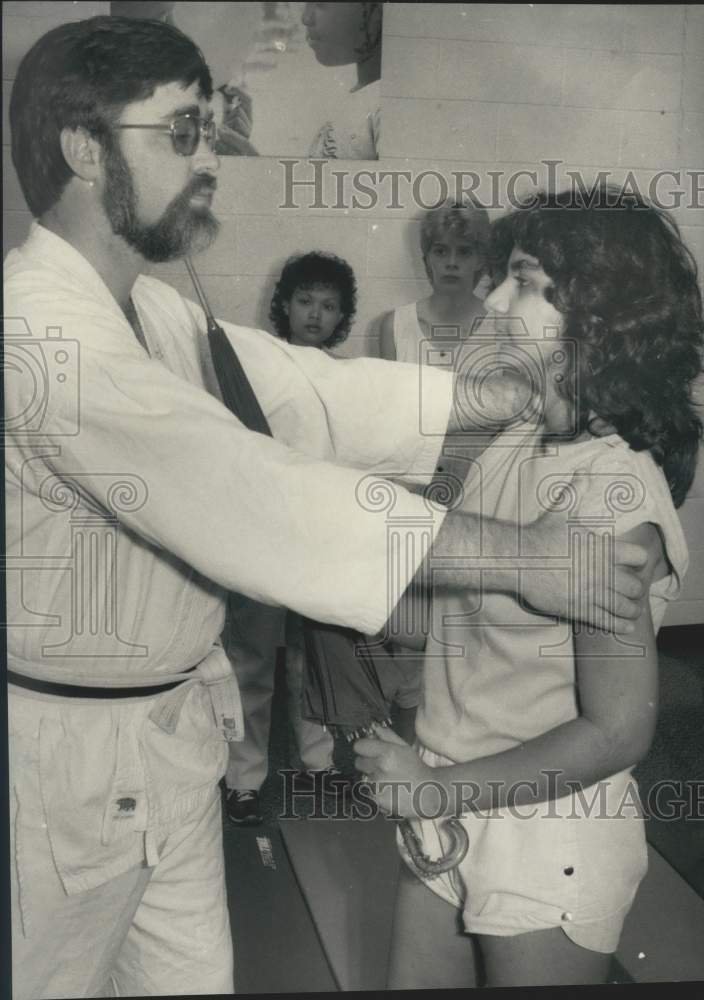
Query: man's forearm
[
  {"x": 467, "y": 543},
  {"x": 464, "y": 544},
  {"x": 606, "y": 596}
]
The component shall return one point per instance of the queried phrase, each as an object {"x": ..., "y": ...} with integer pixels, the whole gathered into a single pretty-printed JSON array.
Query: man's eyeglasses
[{"x": 186, "y": 131}]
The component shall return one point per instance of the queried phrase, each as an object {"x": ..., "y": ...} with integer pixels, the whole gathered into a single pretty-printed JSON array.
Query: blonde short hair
[{"x": 465, "y": 219}]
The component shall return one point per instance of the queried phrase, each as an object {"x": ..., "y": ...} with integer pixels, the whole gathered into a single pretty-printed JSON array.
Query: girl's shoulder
[
  {"x": 611, "y": 455},
  {"x": 624, "y": 489},
  {"x": 618, "y": 479}
]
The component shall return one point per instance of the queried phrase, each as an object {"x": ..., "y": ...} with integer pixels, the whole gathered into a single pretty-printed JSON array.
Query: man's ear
[
  {"x": 285, "y": 305},
  {"x": 82, "y": 153}
]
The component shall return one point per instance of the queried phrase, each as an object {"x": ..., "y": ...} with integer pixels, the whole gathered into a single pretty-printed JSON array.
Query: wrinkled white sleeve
[
  {"x": 246, "y": 511},
  {"x": 382, "y": 416}
]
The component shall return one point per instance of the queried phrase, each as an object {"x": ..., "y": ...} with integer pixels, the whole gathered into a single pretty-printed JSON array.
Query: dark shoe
[
  {"x": 242, "y": 806},
  {"x": 329, "y": 781}
]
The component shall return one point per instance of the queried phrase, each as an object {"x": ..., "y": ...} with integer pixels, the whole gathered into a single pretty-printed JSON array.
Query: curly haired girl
[
  {"x": 529, "y": 727},
  {"x": 315, "y": 300}
]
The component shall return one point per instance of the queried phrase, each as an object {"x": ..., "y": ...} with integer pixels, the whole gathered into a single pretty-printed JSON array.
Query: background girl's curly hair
[
  {"x": 309, "y": 271},
  {"x": 627, "y": 287}
]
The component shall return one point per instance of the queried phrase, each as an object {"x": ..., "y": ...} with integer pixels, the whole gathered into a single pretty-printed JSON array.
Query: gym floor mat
[
  {"x": 347, "y": 870},
  {"x": 663, "y": 934},
  {"x": 277, "y": 949}
]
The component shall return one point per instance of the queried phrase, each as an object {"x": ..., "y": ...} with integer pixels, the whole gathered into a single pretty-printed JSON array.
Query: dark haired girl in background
[
  {"x": 315, "y": 300},
  {"x": 313, "y": 305}
]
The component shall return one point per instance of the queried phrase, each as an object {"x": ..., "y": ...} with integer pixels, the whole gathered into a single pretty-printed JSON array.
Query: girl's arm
[
  {"x": 387, "y": 344},
  {"x": 617, "y": 686}
]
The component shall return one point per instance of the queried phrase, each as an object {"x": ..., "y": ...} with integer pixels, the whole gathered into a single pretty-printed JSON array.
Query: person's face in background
[
  {"x": 313, "y": 315},
  {"x": 337, "y": 32},
  {"x": 452, "y": 263}
]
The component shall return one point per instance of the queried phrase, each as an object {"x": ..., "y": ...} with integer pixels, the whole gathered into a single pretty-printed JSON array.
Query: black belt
[{"x": 79, "y": 691}]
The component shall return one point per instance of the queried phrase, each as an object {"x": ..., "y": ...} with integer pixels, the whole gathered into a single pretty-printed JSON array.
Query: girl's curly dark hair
[
  {"x": 311, "y": 270},
  {"x": 627, "y": 287}
]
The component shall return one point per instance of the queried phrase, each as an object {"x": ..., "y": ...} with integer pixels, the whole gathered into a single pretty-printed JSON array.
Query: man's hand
[
  {"x": 602, "y": 587},
  {"x": 395, "y": 771}
]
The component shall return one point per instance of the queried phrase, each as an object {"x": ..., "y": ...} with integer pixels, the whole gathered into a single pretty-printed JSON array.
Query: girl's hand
[{"x": 395, "y": 771}]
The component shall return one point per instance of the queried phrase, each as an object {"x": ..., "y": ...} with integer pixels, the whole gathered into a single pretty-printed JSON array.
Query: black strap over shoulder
[{"x": 235, "y": 388}]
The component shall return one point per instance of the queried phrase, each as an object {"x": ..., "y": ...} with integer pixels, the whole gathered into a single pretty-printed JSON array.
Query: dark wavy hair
[
  {"x": 83, "y": 74},
  {"x": 627, "y": 287},
  {"x": 313, "y": 270}
]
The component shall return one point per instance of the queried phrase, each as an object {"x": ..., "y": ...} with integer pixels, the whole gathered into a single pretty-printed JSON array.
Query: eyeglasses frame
[{"x": 206, "y": 127}]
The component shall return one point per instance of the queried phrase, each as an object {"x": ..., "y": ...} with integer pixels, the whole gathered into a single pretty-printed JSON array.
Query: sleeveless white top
[{"x": 408, "y": 335}]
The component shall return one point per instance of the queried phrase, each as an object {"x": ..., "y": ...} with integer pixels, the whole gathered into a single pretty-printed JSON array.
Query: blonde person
[
  {"x": 454, "y": 239},
  {"x": 453, "y": 242}
]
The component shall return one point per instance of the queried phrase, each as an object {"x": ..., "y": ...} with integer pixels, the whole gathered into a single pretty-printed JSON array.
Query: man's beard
[{"x": 181, "y": 231}]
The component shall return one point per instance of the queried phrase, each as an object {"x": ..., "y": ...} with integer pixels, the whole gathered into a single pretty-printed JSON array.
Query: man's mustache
[{"x": 201, "y": 185}]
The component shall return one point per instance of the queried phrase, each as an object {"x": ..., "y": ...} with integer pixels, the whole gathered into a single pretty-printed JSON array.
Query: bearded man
[{"x": 136, "y": 500}]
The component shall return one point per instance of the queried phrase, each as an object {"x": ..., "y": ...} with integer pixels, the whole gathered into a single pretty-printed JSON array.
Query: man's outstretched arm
[{"x": 608, "y": 598}]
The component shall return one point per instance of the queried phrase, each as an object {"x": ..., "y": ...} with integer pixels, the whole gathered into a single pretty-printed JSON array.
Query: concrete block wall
[{"x": 494, "y": 90}]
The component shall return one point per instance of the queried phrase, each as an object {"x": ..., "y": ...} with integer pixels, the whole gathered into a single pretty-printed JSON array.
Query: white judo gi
[{"x": 135, "y": 500}]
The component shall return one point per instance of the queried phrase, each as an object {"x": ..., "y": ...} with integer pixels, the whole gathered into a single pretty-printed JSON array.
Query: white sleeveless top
[{"x": 408, "y": 335}]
